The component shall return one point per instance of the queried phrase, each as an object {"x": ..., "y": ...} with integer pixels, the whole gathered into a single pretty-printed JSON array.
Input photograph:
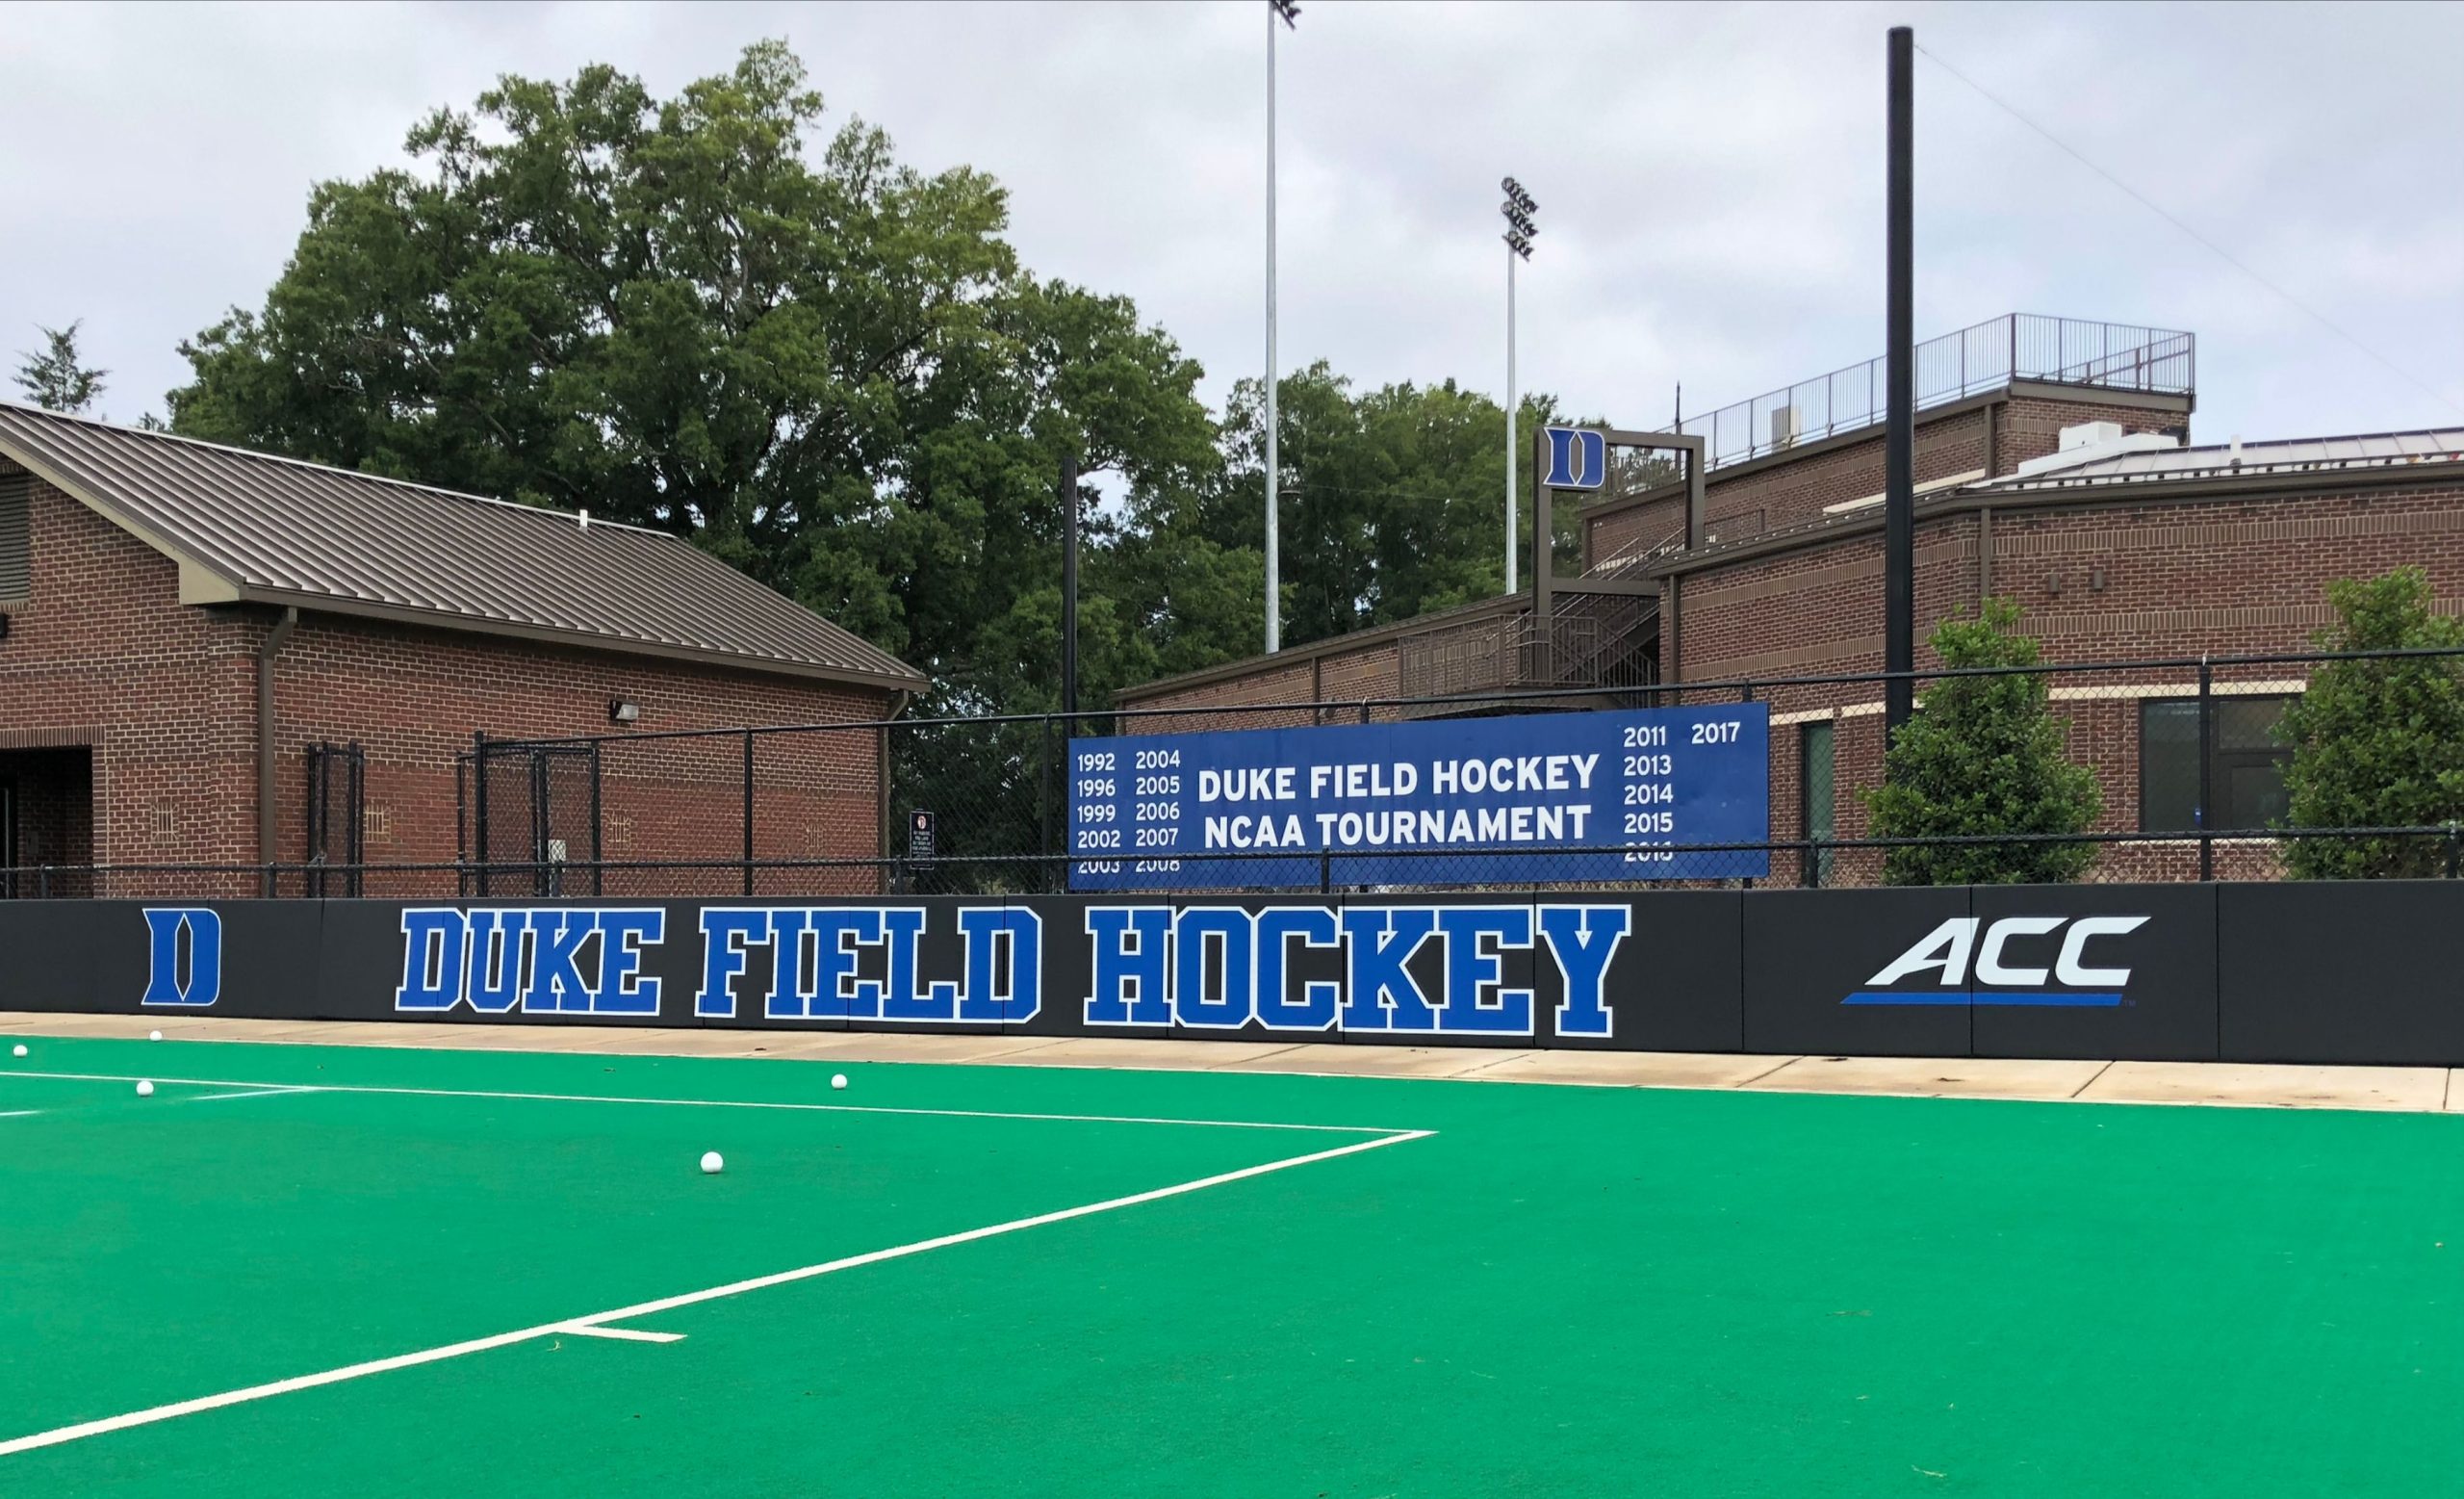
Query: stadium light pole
[
  {"x": 1069, "y": 585},
  {"x": 1518, "y": 209},
  {"x": 1289, "y": 14},
  {"x": 1899, "y": 384}
]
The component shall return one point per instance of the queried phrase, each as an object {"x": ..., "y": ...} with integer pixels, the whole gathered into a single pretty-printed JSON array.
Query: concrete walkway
[{"x": 2411, "y": 1089}]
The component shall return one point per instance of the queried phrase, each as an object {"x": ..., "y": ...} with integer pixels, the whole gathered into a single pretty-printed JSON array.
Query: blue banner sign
[{"x": 1463, "y": 801}]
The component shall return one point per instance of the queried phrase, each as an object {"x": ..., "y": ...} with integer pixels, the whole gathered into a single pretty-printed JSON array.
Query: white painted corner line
[
  {"x": 621, "y": 1335},
  {"x": 596, "y": 1324},
  {"x": 20, "y": 1114},
  {"x": 253, "y": 1093},
  {"x": 703, "y": 1104}
]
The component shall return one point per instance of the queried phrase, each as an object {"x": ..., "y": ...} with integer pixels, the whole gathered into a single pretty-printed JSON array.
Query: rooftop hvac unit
[
  {"x": 1785, "y": 427},
  {"x": 2090, "y": 434}
]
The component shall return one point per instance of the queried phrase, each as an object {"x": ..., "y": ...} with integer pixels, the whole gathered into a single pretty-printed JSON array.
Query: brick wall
[
  {"x": 2031, "y": 427},
  {"x": 1372, "y": 669},
  {"x": 1776, "y": 493},
  {"x": 2108, "y": 584},
  {"x": 104, "y": 654},
  {"x": 817, "y": 795}
]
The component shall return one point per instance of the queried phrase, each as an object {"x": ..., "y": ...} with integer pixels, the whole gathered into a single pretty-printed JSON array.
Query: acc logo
[
  {"x": 1578, "y": 458},
  {"x": 2002, "y": 975},
  {"x": 167, "y": 981}
]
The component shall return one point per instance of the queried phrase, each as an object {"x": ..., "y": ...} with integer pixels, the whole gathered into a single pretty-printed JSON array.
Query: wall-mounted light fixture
[{"x": 624, "y": 711}]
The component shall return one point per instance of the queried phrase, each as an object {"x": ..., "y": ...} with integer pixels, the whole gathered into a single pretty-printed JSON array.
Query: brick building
[
  {"x": 2052, "y": 474},
  {"x": 187, "y": 630}
]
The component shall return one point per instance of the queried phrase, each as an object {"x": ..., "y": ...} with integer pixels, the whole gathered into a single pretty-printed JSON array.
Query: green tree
[
  {"x": 700, "y": 314},
  {"x": 1981, "y": 757},
  {"x": 1390, "y": 499},
  {"x": 706, "y": 314},
  {"x": 57, "y": 378},
  {"x": 2378, "y": 743}
]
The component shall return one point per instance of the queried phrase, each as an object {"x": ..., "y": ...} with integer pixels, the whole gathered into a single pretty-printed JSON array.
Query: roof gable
[{"x": 252, "y": 527}]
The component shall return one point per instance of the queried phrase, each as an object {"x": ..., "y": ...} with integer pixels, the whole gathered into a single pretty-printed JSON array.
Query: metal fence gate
[
  {"x": 536, "y": 809},
  {"x": 337, "y": 818}
]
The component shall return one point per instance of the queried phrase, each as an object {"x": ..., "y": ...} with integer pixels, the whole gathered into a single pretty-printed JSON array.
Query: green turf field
[{"x": 1554, "y": 1291}]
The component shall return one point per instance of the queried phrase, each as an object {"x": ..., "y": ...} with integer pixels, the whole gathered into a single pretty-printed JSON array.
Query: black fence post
[
  {"x": 1745, "y": 694},
  {"x": 748, "y": 811},
  {"x": 2206, "y": 771},
  {"x": 42, "y": 882},
  {"x": 1043, "y": 796},
  {"x": 598, "y": 845},
  {"x": 480, "y": 805},
  {"x": 541, "y": 877},
  {"x": 2454, "y": 846}
]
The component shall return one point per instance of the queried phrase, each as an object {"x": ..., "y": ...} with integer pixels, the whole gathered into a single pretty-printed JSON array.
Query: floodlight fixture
[
  {"x": 1517, "y": 210},
  {"x": 1287, "y": 11}
]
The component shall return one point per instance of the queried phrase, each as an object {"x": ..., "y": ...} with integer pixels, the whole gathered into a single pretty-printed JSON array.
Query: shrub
[
  {"x": 2378, "y": 743},
  {"x": 1984, "y": 755}
]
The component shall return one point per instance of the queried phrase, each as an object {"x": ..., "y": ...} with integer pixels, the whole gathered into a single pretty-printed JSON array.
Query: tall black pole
[
  {"x": 1899, "y": 441},
  {"x": 1069, "y": 584}
]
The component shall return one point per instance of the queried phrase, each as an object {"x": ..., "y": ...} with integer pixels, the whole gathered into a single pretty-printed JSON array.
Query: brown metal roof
[{"x": 278, "y": 531}]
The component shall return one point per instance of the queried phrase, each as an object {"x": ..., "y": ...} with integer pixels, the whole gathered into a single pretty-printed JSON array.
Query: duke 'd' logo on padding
[
  {"x": 2016, "y": 960},
  {"x": 183, "y": 956}
]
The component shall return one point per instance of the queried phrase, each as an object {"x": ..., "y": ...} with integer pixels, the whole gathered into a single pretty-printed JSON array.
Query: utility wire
[{"x": 2221, "y": 253}]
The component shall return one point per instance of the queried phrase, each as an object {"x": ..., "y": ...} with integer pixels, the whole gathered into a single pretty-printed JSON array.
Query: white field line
[
  {"x": 20, "y": 1114},
  {"x": 703, "y": 1104},
  {"x": 253, "y": 1093},
  {"x": 598, "y": 1320},
  {"x": 621, "y": 1335}
]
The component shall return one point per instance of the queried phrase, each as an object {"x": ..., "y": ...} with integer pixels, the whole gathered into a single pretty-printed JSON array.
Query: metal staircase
[{"x": 1588, "y": 640}]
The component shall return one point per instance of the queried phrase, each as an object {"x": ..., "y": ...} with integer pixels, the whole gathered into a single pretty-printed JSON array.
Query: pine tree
[
  {"x": 55, "y": 378},
  {"x": 1984, "y": 755}
]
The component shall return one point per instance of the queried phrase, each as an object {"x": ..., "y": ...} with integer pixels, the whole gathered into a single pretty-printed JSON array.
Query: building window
[
  {"x": 2245, "y": 767},
  {"x": 16, "y": 548},
  {"x": 1816, "y": 797}
]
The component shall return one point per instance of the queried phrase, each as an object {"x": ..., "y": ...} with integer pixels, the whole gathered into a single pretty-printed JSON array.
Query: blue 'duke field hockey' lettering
[
  {"x": 804, "y": 963},
  {"x": 555, "y": 959},
  {"x": 1222, "y": 968},
  {"x": 815, "y": 957}
]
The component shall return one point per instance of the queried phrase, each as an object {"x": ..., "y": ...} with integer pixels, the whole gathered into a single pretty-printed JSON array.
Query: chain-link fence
[{"x": 2186, "y": 759}]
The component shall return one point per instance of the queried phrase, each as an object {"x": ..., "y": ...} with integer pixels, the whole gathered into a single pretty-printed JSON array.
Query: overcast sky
[{"x": 1711, "y": 178}]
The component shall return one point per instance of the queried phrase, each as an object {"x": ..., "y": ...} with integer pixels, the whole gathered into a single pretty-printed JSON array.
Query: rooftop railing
[{"x": 1991, "y": 355}]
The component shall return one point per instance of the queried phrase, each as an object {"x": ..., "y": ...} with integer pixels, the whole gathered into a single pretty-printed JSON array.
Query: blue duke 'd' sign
[{"x": 1570, "y": 797}]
